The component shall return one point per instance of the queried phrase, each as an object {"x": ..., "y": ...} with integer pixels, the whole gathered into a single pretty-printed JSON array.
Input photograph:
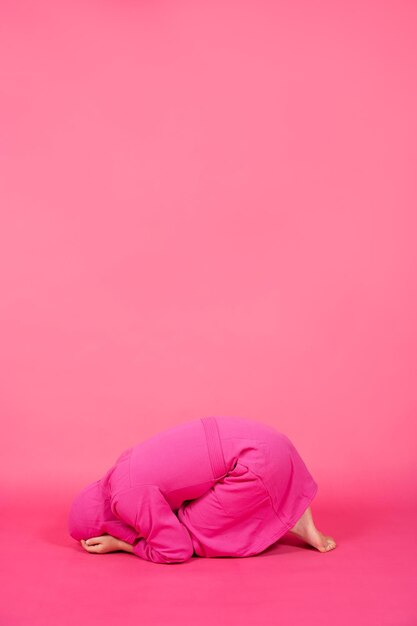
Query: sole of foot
[
  {"x": 306, "y": 530},
  {"x": 322, "y": 543}
]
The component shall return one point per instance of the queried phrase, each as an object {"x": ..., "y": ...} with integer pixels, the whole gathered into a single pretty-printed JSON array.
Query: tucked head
[
  {"x": 87, "y": 513},
  {"x": 90, "y": 515}
]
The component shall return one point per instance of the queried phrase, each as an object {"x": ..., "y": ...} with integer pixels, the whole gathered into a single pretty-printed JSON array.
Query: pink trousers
[{"x": 256, "y": 502}]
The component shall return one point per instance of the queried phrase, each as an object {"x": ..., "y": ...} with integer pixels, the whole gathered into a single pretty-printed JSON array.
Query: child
[{"x": 214, "y": 486}]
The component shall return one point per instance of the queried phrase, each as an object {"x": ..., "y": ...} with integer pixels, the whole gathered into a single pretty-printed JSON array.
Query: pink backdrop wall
[{"x": 207, "y": 210}]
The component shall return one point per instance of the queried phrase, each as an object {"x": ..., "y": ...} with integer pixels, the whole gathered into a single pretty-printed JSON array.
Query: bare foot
[{"x": 306, "y": 530}]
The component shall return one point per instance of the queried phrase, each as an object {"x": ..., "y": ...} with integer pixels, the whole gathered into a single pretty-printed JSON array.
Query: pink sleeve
[{"x": 163, "y": 538}]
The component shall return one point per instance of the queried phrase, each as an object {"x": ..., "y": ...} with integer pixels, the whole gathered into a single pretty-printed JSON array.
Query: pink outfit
[{"x": 215, "y": 486}]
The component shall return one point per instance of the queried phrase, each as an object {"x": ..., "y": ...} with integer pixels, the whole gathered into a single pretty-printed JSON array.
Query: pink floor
[{"x": 369, "y": 579}]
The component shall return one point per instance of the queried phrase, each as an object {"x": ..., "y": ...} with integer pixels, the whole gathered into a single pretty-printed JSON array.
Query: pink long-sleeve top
[{"x": 142, "y": 499}]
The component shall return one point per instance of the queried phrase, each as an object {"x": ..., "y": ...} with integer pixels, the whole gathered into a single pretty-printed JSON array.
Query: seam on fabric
[
  {"x": 286, "y": 526},
  {"x": 130, "y": 467},
  {"x": 187, "y": 486},
  {"x": 121, "y": 491},
  {"x": 266, "y": 490},
  {"x": 216, "y": 497},
  {"x": 214, "y": 446}
]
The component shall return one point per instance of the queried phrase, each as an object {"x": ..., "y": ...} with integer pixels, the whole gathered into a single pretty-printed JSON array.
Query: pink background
[{"x": 209, "y": 209}]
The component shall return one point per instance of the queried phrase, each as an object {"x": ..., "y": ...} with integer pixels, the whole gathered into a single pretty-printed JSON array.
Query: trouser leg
[{"x": 234, "y": 518}]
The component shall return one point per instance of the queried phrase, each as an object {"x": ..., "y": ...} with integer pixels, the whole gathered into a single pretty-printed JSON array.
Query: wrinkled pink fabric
[{"x": 214, "y": 486}]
